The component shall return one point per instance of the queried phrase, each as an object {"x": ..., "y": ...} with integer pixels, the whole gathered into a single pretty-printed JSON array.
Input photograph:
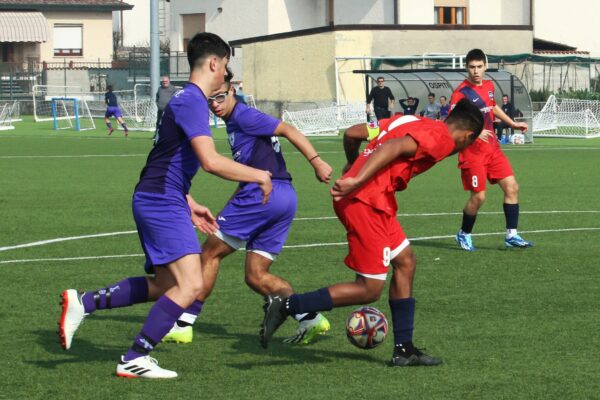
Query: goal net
[
  {"x": 572, "y": 118},
  {"x": 71, "y": 113},
  {"x": 6, "y": 115},
  {"x": 326, "y": 121},
  {"x": 137, "y": 106}
]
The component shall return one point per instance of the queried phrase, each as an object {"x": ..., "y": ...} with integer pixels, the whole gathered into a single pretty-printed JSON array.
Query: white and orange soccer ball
[{"x": 366, "y": 327}]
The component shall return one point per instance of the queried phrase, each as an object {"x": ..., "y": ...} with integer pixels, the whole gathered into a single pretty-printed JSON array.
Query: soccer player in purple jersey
[
  {"x": 165, "y": 215},
  {"x": 113, "y": 110},
  {"x": 253, "y": 137}
]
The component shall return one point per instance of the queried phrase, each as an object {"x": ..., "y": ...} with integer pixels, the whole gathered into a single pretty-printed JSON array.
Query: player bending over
[
  {"x": 112, "y": 109},
  {"x": 162, "y": 208},
  {"x": 253, "y": 137},
  {"x": 485, "y": 160},
  {"x": 365, "y": 203}
]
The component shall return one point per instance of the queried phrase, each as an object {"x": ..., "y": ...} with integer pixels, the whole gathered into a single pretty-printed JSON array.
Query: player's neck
[
  {"x": 204, "y": 81},
  {"x": 475, "y": 83}
]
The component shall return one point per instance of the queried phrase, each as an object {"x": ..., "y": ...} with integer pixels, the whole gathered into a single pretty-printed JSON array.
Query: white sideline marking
[
  {"x": 289, "y": 152},
  {"x": 66, "y": 239},
  {"x": 299, "y": 246}
]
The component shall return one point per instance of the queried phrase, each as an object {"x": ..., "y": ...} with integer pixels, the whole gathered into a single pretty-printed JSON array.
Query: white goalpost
[
  {"x": 71, "y": 113},
  {"x": 137, "y": 106},
  {"x": 326, "y": 121},
  {"x": 568, "y": 118}
]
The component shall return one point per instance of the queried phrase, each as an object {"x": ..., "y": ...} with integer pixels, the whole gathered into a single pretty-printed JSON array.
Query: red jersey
[
  {"x": 434, "y": 144},
  {"x": 483, "y": 97}
]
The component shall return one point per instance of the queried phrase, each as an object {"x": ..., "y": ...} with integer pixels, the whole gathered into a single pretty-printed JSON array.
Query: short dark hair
[
  {"x": 443, "y": 97},
  {"x": 505, "y": 96},
  {"x": 466, "y": 116},
  {"x": 206, "y": 44},
  {"x": 410, "y": 98},
  {"x": 380, "y": 77},
  {"x": 431, "y": 94},
  {"x": 475, "y": 55},
  {"x": 109, "y": 88},
  {"x": 228, "y": 78}
]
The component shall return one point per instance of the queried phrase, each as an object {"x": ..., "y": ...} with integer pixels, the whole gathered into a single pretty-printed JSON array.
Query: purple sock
[
  {"x": 190, "y": 314},
  {"x": 159, "y": 322},
  {"x": 403, "y": 316},
  {"x": 122, "y": 294}
]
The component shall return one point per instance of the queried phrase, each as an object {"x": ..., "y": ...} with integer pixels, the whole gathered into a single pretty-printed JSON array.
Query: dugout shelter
[{"x": 442, "y": 82}]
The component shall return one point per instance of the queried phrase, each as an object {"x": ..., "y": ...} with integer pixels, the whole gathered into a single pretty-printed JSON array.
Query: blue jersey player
[
  {"x": 113, "y": 110},
  {"x": 165, "y": 213},
  {"x": 245, "y": 221}
]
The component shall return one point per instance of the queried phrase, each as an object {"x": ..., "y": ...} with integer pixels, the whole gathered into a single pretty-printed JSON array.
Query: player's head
[
  {"x": 476, "y": 65},
  {"x": 109, "y": 88},
  {"x": 380, "y": 81},
  {"x": 443, "y": 100},
  {"x": 431, "y": 97},
  {"x": 222, "y": 101},
  {"x": 505, "y": 99},
  {"x": 410, "y": 101},
  {"x": 465, "y": 123},
  {"x": 207, "y": 52},
  {"x": 165, "y": 81}
]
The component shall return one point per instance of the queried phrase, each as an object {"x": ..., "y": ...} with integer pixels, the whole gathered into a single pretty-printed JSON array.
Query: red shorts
[
  {"x": 374, "y": 237},
  {"x": 493, "y": 167}
]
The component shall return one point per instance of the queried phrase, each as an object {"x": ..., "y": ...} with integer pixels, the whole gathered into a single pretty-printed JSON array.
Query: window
[
  {"x": 450, "y": 15},
  {"x": 192, "y": 24},
  {"x": 68, "y": 40}
]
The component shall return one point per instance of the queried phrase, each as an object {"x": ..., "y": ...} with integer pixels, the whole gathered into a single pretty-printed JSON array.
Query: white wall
[
  {"x": 136, "y": 23},
  {"x": 499, "y": 12},
  {"x": 293, "y": 15},
  {"x": 574, "y": 23},
  {"x": 348, "y": 12},
  {"x": 416, "y": 13}
]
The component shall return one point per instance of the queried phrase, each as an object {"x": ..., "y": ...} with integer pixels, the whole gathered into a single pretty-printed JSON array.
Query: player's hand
[
  {"x": 202, "y": 218},
  {"x": 266, "y": 186},
  {"x": 486, "y": 134},
  {"x": 343, "y": 187},
  {"x": 522, "y": 126},
  {"x": 322, "y": 170}
]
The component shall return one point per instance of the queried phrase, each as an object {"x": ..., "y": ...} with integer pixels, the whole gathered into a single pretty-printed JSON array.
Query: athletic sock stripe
[
  {"x": 108, "y": 295},
  {"x": 148, "y": 339}
]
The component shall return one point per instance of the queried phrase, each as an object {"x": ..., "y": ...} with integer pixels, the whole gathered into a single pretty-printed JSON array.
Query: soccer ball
[
  {"x": 517, "y": 138},
  {"x": 366, "y": 327}
]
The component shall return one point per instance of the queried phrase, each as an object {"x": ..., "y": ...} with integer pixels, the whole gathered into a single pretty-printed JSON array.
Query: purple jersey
[
  {"x": 252, "y": 142},
  {"x": 172, "y": 163}
]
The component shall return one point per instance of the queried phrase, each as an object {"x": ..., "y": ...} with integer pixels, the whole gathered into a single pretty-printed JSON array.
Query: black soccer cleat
[
  {"x": 275, "y": 315},
  {"x": 407, "y": 355}
]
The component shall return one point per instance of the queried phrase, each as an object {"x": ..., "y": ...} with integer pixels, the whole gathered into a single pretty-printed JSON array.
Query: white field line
[
  {"x": 96, "y": 235},
  {"x": 289, "y": 152},
  {"x": 300, "y": 246}
]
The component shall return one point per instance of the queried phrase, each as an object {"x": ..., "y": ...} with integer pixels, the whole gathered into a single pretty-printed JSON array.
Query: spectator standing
[
  {"x": 382, "y": 99},
  {"x": 163, "y": 95}
]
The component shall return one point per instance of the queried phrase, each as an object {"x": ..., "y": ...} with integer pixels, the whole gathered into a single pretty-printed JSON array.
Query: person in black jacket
[
  {"x": 382, "y": 98},
  {"x": 409, "y": 105}
]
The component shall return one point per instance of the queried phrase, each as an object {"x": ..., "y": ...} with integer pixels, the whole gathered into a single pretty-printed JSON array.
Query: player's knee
[
  {"x": 406, "y": 262},
  {"x": 512, "y": 188},
  {"x": 253, "y": 279},
  {"x": 478, "y": 198}
]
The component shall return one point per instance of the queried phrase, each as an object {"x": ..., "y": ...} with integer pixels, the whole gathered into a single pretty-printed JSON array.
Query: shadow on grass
[{"x": 279, "y": 353}]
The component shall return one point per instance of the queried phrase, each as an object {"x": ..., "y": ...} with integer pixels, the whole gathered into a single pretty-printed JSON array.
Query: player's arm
[
  {"x": 403, "y": 147},
  {"x": 300, "y": 142},
  {"x": 202, "y": 218},
  {"x": 508, "y": 120},
  {"x": 216, "y": 164},
  {"x": 392, "y": 99},
  {"x": 369, "y": 99},
  {"x": 353, "y": 138}
]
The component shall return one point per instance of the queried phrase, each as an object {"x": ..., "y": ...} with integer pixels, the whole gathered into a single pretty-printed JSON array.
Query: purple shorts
[
  {"x": 263, "y": 227},
  {"x": 113, "y": 111},
  {"x": 165, "y": 227}
]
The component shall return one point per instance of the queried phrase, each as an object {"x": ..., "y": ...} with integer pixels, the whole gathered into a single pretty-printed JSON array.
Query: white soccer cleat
[
  {"x": 71, "y": 317},
  {"x": 143, "y": 367}
]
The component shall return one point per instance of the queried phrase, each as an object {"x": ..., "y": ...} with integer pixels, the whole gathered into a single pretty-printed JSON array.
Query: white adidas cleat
[
  {"x": 143, "y": 367},
  {"x": 71, "y": 317}
]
